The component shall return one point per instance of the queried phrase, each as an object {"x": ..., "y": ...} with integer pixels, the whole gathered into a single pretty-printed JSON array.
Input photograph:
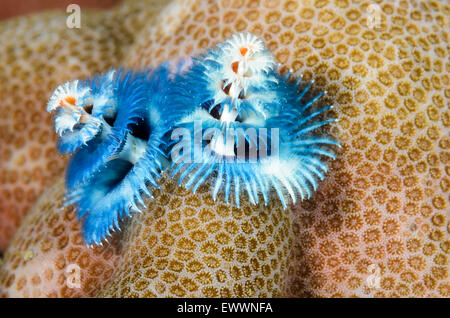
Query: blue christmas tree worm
[
  {"x": 246, "y": 107},
  {"x": 108, "y": 174},
  {"x": 231, "y": 116}
]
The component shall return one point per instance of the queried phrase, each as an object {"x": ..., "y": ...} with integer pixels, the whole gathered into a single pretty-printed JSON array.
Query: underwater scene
[{"x": 225, "y": 149}]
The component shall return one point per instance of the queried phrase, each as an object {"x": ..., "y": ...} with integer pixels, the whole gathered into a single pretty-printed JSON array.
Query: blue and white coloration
[
  {"x": 108, "y": 174},
  {"x": 234, "y": 103},
  {"x": 80, "y": 107},
  {"x": 231, "y": 117}
]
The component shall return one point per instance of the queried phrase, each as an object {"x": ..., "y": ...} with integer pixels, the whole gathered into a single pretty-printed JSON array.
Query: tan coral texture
[
  {"x": 379, "y": 224},
  {"x": 50, "y": 259},
  {"x": 191, "y": 246},
  {"x": 37, "y": 53}
]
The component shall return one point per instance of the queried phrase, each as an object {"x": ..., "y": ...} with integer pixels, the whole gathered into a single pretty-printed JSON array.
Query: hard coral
[
  {"x": 379, "y": 225},
  {"x": 191, "y": 246},
  {"x": 37, "y": 53},
  {"x": 50, "y": 259}
]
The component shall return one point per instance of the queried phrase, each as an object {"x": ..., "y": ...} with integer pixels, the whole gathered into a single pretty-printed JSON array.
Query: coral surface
[
  {"x": 377, "y": 227},
  {"x": 42, "y": 262},
  {"x": 38, "y": 53}
]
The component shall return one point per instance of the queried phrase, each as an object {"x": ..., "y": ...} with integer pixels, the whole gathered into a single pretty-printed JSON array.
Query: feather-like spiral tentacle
[{"x": 267, "y": 103}]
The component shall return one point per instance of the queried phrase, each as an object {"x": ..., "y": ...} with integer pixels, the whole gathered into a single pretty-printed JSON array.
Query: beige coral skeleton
[{"x": 377, "y": 227}]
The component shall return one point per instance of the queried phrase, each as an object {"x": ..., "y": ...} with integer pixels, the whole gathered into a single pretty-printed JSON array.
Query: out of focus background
[{"x": 11, "y": 8}]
